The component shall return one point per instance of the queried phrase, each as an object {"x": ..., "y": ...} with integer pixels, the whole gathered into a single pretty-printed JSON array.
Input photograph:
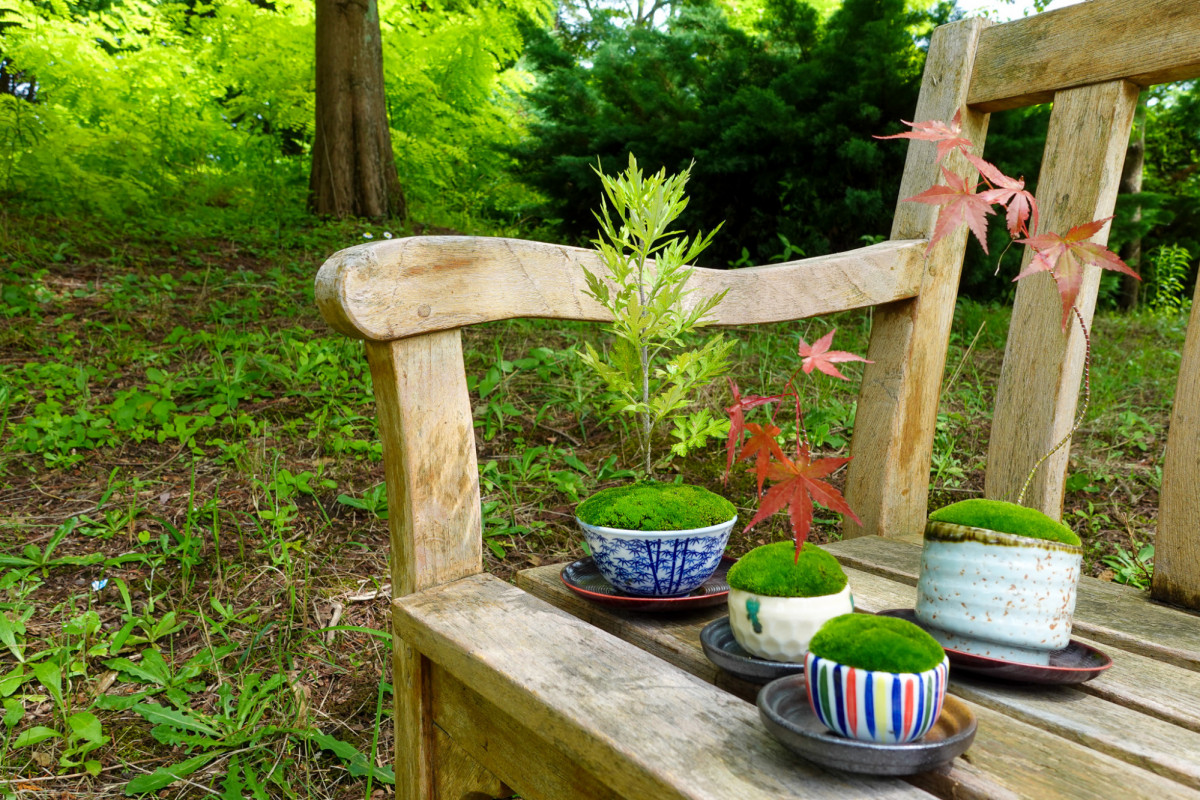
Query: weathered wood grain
[
  {"x": 888, "y": 479},
  {"x": 393, "y": 289},
  {"x": 1040, "y": 378},
  {"x": 1026, "y": 61},
  {"x": 523, "y": 759},
  {"x": 458, "y": 775},
  {"x": 433, "y": 493},
  {"x": 1021, "y": 760},
  {"x": 429, "y": 459},
  {"x": 640, "y": 726},
  {"x": 1105, "y": 612},
  {"x": 1001, "y": 739},
  {"x": 672, "y": 637},
  {"x": 1177, "y": 545}
]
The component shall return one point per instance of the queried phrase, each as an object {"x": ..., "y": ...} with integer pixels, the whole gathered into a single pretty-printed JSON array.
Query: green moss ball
[
  {"x": 772, "y": 570},
  {"x": 650, "y": 506},
  {"x": 998, "y": 515},
  {"x": 880, "y": 644}
]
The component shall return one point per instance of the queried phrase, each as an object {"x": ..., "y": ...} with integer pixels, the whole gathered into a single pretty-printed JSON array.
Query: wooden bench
[{"x": 498, "y": 686}]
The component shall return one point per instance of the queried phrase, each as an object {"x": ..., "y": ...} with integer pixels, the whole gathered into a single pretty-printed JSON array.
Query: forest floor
[{"x": 193, "y": 528}]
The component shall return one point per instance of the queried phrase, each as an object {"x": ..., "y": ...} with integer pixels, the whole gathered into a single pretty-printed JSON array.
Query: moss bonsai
[
  {"x": 879, "y": 644},
  {"x": 1003, "y": 517},
  {"x": 651, "y": 506},
  {"x": 782, "y": 570}
]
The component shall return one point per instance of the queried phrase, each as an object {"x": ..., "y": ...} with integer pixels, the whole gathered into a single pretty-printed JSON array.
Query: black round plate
[
  {"x": 583, "y": 577},
  {"x": 1076, "y": 663},
  {"x": 783, "y": 707},
  {"x": 723, "y": 650}
]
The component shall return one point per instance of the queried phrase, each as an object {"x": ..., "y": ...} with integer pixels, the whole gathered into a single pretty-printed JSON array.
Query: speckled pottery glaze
[
  {"x": 779, "y": 628},
  {"x": 657, "y": 563},
  {"x": 884, "y": 707},
  {"x": 997, "y": 594}
]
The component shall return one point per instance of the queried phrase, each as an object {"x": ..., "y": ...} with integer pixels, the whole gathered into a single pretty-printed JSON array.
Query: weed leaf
[
  {"x": 165, "y": 776},
  {"x": 8, "y": 635},
  {"x": 50, "y": 676},
  {"x": 358, "y": 764},
  {"x": 34, "y": 735},
  {"x": 162, "y": 715}
]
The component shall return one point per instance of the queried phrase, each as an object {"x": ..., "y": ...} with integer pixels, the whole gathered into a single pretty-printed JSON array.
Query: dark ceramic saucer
[
  {"x": 724, "y": 651},
  {"x": 584, "y": 579},
  {"x": 783, "y": 707},
  {"x": 1076, "y": 663}
]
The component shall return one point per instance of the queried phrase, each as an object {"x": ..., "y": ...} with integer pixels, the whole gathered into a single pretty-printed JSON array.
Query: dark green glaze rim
[{"x": 950, "y": 532}]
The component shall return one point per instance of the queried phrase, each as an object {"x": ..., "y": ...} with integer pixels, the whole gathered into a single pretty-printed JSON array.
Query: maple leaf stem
[
  {"x": 801, "y": 431},
  {"x": 1087, "y": 394}
]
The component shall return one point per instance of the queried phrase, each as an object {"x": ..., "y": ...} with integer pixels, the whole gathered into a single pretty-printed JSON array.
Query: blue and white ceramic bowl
[
  {"x": 657, "y": 563},
  {"x": 884, "y": 707}
]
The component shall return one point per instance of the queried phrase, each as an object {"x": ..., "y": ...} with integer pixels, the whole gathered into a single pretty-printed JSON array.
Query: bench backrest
[{"x": 408, "y": 298}]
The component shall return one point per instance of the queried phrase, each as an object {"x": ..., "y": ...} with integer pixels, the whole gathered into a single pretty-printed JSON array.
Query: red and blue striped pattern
[{"x": 883, "y": 707}]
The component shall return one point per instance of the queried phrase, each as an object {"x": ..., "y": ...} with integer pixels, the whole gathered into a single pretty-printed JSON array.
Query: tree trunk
[
  {"x": 1131, "y": 183},
  {"x": 353, "y": 168}
]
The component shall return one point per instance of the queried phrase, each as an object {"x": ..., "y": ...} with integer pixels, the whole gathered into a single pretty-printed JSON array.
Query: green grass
[{"x": 178, "y": 423}]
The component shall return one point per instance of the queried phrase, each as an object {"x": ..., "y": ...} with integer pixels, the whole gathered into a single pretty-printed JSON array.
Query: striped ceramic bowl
[{"x": 885, "y": 707}]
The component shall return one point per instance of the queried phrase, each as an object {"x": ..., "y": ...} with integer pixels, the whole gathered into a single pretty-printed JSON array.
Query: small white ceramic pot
[
  {"x": 997, "y": 594},
  {"x": 657, "y": 563},
  {"x": 779, "y": 628},
  {"x": 885, "y": 707}
]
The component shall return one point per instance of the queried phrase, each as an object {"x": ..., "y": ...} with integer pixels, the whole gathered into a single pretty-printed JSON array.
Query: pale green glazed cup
[{"x": 997, "y": 595}]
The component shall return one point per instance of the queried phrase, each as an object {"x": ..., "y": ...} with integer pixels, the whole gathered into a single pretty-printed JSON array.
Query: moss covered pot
[
  {"x": 656, "y": 539},
  {"x": 1004, "y": 592},
  {"x": 879, "y": 679},
  {"x": 778, "y": 601}
]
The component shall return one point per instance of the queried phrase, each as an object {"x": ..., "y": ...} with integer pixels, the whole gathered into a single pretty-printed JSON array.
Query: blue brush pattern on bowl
[{"x": 657, "y": 563}]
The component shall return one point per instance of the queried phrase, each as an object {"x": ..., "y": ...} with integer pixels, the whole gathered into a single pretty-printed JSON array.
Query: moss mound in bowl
[
  {"x": 880, "y": 644},
  {"x": 651, "y": 506},
  {"x": 772, "y": 570},
  {"x": 998, "y": 515}
]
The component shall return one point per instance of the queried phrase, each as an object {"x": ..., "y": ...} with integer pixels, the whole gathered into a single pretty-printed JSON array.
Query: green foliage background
[
  {"x": 199, "y": 116},
  {"x": 191, "y": 117}
]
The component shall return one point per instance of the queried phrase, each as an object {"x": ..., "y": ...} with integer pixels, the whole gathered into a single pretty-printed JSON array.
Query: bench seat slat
[
  {"x": 1016, "y": 725},
  {"x": 644, "y": 728}
]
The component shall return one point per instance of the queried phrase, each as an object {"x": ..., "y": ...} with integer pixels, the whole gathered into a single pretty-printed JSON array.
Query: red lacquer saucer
[{"x": 584, "y": 579}]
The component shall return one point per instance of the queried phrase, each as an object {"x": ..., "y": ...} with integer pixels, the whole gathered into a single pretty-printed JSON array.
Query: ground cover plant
[{"x": 194, "y": 535}]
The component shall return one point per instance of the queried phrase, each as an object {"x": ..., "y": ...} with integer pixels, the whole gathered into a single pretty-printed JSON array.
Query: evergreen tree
[{"x": 778, "y": 119}]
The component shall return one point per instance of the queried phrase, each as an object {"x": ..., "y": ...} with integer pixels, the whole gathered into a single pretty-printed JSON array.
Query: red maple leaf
[
  {"x": 959, "y": 204},
  {"x": 947, "y": 135},
  {"x": 797, "y": 486},
  {"x": 819, "y": 356},
  {"x": 737, "y": 421},
  {"x": 1011, "y": 194},
  {"x": 762, "y": 447},
  {"x": 1064, "y": 257}
]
